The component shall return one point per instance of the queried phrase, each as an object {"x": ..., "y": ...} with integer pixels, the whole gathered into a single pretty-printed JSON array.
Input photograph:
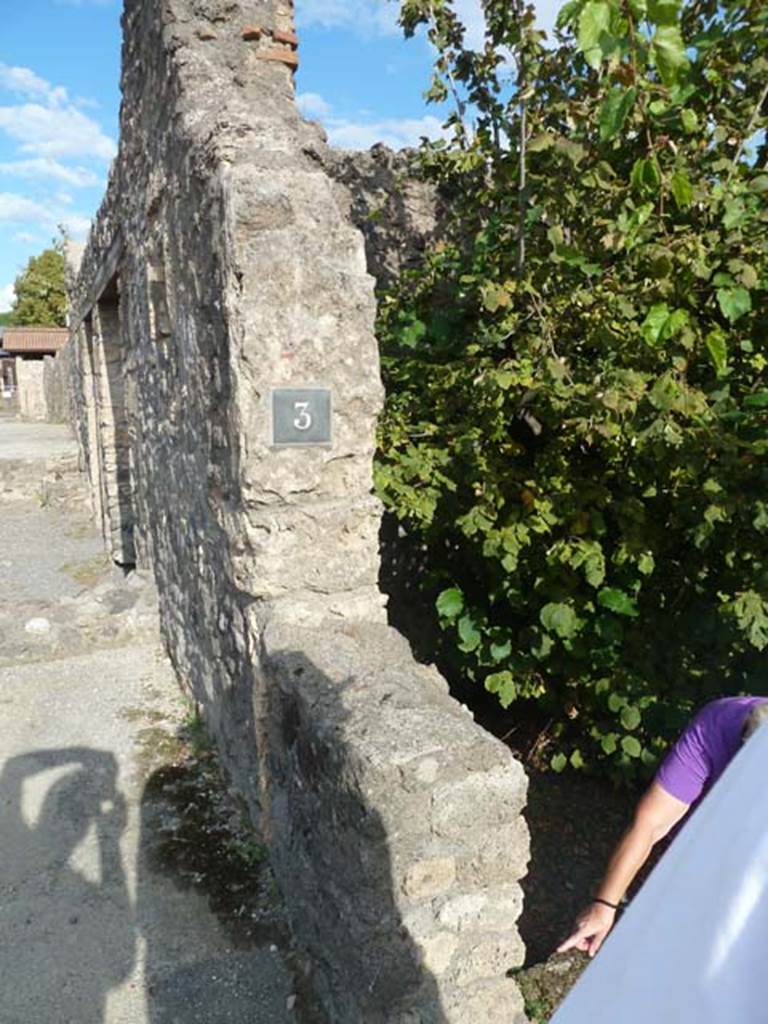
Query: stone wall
[
  {"x": 30, "y": 389},
  {"x": 398, "y": 213},
  {"x": 56, "y": 386},
  {"x": 225, "y": 263}
]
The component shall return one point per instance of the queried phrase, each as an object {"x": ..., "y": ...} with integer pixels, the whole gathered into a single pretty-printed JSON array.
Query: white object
[
  {"x": 691, "y": 949},
  {"x": 38, "y": 627}
]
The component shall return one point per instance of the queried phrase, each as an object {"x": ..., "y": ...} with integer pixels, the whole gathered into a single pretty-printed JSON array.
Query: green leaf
[
  {"x": 545, "y": 140},
  {"x": 717, "y": 346},
  {"x": 568, "y": 12},
  {"x": 674, "y": 323},
  {"x": 594, "y": 25},
  {"x": 617, "y": 601},
  {"x": 734, "y": 303},
  {"x": 450, "y": 603},
  {"x": 413, "y": 334},
  {"x": 723, "y": 280},
  {"x": 615, "y": 110},
  {"x": 646, "y": 563},
  {"x": 558, "y": 763},
  {"x": 503, "y": 685},
  {"x": 577, "y": 761},
  {"x": 752, "y": 616},
  {"x": 608, "y": 743},
  {"x": 653, "y": 324},
  {"x": 682, "y": 190},
  {"x": 500, "y": 652},
  {"x": 616, "y": 702},
  {"x": 469, "y": 634},
  {"x": 735, "y": 214},
  {"x": 664, "y": 12},
  {"x": 631, "y": 746},
  {"x": 494, "y": 296},
  {"x": 668, "y": 53},
  {"x": 559, "y": 619},
  {"x": 757, "y": 401},
  {"x": 645, "y": 177},
  {"x": 630, "y": 717},
  {"x": 689, "y": 120}
]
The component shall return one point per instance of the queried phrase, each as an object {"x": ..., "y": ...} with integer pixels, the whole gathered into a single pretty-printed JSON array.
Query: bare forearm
[
  {"x": 656, "y": 814},
  {"x": 628, "y": 857}
]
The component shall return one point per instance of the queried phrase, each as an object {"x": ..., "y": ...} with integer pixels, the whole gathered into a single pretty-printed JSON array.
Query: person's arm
[{"x": 656, "y": 814}]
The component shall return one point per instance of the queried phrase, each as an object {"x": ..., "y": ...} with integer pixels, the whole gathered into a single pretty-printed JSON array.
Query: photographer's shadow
[{"x": 67, "y": 928}]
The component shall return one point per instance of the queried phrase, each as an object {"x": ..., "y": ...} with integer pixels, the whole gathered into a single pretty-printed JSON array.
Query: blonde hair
[{"x": 754, "y": 720}]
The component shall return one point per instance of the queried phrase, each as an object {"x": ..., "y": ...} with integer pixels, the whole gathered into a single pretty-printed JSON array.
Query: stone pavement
[{"x": 94, "y": 927}]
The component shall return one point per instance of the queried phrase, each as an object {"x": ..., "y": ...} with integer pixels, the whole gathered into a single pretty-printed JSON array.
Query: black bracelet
[{"x": 613, "y": 906}]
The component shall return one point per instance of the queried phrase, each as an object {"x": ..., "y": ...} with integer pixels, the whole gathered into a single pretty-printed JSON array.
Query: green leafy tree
[
  {"x": 577, "y": 394},
  {"x": 41, "y": 296}
]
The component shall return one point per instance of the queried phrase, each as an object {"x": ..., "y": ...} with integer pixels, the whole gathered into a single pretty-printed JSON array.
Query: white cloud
[
  {"x": 368, "y": 17},
  {"x": 59, "y": 132},
  {"x": 15, "y": 208},
  {"x": 312, "y": 105},
  {"x": 472, "y": 17},
  {"x": 546, "y": 14},
  {"x": 7, "y": 297},
  {"x": 45, "y": 167},
  {"x": 393, "y": 132},
  {"x": 25, "y": 82},
  {"x": 75, "y": 225},
  {"x": 379, "y": 17},
  {"x": 54, "y": 144},
  {"x": 364, "y": 130}
]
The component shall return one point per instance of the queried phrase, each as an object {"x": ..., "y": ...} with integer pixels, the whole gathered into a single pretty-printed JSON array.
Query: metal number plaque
[{"x": 301, "y": 416}]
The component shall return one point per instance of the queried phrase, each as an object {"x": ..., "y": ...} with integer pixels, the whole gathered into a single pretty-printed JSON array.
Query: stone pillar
[
  {"x": 247, "y": 312},
  {"x": 31, "y": 391}
]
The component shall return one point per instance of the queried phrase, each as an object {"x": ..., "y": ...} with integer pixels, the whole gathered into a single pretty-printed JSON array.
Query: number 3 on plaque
[{"x": 304, "y": 419}]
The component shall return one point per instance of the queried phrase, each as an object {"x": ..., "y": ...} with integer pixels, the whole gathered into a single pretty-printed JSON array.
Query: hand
[{"x": 590, "y": 929}]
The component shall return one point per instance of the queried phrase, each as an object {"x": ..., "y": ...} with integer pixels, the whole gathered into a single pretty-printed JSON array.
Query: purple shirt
[{"x": 705, "y": 747}]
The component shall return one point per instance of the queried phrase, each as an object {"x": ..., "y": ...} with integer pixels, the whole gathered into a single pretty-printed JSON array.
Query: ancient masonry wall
[
  {"x": 224, "y": 263},
  {"x": 56, "y": 379},
  {"x": 30, "y": 389}
]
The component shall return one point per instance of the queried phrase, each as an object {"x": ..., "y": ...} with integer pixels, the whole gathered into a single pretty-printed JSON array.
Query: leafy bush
[
  {"x": 577, "y": 393},
  {"x": 41, "y": 294}
]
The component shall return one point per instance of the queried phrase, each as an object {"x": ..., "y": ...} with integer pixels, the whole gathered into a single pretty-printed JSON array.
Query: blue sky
[{"x": 59, "y": 101}]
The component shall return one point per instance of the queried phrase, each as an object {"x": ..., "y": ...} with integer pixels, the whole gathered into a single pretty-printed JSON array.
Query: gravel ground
[
  {"x": 115, "y": 819},
  {"x": 34, "y": 569}
]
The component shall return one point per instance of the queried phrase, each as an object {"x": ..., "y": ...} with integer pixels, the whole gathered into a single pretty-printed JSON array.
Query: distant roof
[{"x": 34, "y": 339}]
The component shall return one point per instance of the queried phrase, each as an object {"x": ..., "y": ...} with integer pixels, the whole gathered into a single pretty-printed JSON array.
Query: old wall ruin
[
  {"x": 225, "y": 263},
  {"x": 30, "y": 389}
]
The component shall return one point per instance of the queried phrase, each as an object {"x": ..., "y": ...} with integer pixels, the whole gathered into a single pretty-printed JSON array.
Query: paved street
[{"x": 94, "y": 927}]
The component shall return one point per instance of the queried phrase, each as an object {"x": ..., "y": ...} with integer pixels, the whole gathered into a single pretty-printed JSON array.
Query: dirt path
[{"x": 106, "y": 889}]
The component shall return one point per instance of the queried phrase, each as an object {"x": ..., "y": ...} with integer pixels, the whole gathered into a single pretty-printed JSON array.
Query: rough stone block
[
  {"x": 429, "y": 878},
  {"x": 503, "y": 856},
  {"x": 437, "y": 952},
  {"x": 491, "y": 910},
  {"x": 494, "y": 1001},
  {"x": 486, "y": 956},
  {"x": 479, "y": 802}
]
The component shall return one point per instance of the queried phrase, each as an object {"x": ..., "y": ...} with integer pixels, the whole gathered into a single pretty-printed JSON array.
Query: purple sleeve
[{"x": 685, "y": 770}]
